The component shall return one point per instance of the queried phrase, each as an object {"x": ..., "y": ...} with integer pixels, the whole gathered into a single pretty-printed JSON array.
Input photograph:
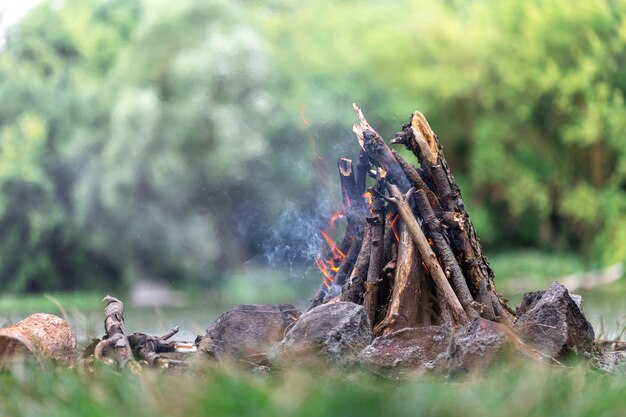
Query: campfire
[
  {"x": 410, "y": 253},
  {"x": 407, "y": 287}
]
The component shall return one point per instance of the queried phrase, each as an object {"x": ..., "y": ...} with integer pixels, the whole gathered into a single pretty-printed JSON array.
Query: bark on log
[
  {"x": 461, "y": 245},
  {"x": 446, "y": 256},
  {"x": 378, "y": 151},
  {"x": 404, "y": 305},
  {"x": 374, "y": 272},
  {"x": 425, "y": 302},
  {"x": 354, "y": 288},
  {"x": 416, "y": 180},
  {"x": 362, "y": 168},
  {"x": 426, "y": 252},
  {"x": 115, "y": 333}
]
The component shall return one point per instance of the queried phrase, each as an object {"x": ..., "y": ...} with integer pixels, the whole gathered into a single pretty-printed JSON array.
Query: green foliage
[
  {"x": 528, "y": 98},
  {"x": 152, "y": 139}
]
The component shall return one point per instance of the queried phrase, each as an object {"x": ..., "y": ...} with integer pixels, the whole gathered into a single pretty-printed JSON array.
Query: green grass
[
  {"x": 49, "y": 303},
  {"x": 524, "y": 391}
]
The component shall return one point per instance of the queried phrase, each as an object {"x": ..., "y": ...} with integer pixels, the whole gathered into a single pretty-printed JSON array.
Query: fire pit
[{"x": 406, "y": 288}]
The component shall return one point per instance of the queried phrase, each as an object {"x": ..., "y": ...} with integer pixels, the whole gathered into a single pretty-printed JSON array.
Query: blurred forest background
[{"x": 183, "y": 140}]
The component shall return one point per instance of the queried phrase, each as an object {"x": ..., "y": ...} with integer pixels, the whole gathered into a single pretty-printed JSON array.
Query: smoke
[{"x": 294, "y": 237}]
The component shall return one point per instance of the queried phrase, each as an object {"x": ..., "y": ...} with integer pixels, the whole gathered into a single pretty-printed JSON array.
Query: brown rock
[
  {"x": 552, "y": 323},
  {"x": 408, "y": 350},
  {"x": 248, "y": 330},
  {"x": 44, "y": 336}
]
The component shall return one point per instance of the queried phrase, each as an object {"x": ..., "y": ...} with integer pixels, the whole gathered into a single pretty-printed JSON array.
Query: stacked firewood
[{"x": 410, "y": 254}]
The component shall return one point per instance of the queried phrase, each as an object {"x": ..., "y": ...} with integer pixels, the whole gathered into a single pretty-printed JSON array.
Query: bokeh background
[{"x": 191, "y": 145}]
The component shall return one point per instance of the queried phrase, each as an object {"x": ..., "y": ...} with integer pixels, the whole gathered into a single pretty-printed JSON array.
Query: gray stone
[
  {"x": 334, "y": 332},
  {"x": 248, "y": 331},
  {"x": 551, "y": 322},
  {"x": 408, "y": 350},
  {"x": 480, "y": 343}
]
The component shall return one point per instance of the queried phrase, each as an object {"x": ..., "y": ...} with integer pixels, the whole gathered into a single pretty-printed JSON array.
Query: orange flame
[
  {"x": 330, "y": 258},
  {"x": 393, "y": 227},
  {"x": 325, "y": 269},
  {"x": 336, "y": 215},
  {"x": 334, "y": 250},
  {"x": 329, "y": 264}
]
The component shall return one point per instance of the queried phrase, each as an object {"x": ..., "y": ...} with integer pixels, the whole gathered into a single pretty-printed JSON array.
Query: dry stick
[
  {"x": 115, "y": 334},
  {"x": 349, "y": 261},
  {"x": 355, "y": 209},
  {"x": 389, "y": 239},
  {"x": 461, "y": 244},
  {"x": 354, "y": 288},
  {"x": 416, "y": 180},
  {"x": 404, "y": 305},
  {"x": 429, "y": 258},
  {"x": 450, "y": 265},
  {"x": 362, "y": 168},
  {"x": 148, "y": 348},
  {"x": 378, "y": 151},
  {"x": 377, "y": 222},
  {"x": 445, "y": 314}
]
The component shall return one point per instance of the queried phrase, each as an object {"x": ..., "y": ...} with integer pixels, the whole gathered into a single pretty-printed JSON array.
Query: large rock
[
  {"x": 335, "y": 332},
  {"x": 552, "y": 323},
  {"x": 408, "y": 350},
  {"x": 480, "y": 343},
  {"x": 248, "y": 331},
  {"x": 44, "y": 336}
]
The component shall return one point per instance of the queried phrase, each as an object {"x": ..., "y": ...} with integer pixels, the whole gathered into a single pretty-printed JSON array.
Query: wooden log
[
  {"x": 362, "y": 168},
  {"x": 378, "y": 151},
  {"x": 446, "y": 256},
  {"x": 348, "y": 263},
  {"x": 417, "y": 181},
  {"x": 354, "y": 288},
  {"x": 425, "y": 312},
  {"x": 389, "y": 239},
  {"x": 374, "y": 277},
  {"x": 404, "y": 305},
  {"x": 354, "y": 207},
  {"x": 428, "y": 256},
  {"x": 461, "y": 245},
  {"x": 115, "y": 333},
  {"x": 445, "y": 314}
]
